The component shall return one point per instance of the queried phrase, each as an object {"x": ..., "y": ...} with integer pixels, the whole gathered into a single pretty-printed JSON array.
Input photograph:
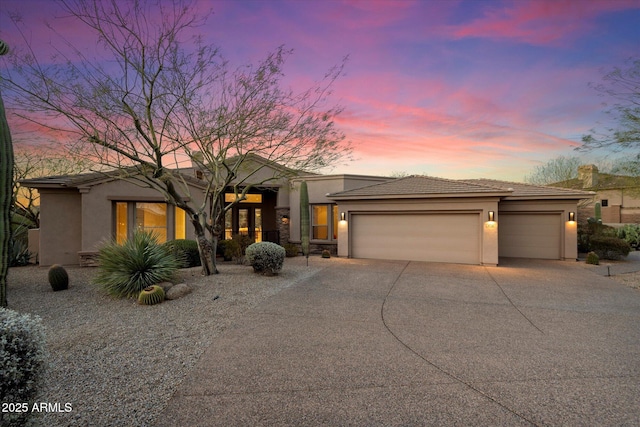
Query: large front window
[
  {"x": 324, "y": 222},
  {"x": 152, "y": 217},
  {"x": 166, "y": 222}
]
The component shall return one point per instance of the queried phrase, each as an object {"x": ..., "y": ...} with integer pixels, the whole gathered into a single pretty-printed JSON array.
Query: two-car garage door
[{"x": 435, "y": 237}]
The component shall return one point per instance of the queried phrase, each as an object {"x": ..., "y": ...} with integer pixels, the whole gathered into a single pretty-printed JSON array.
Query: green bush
[
  {"x": 186, "y": 251},
  {"x": 592, "y": 258},
  {"x": 22, "y": 362},
  {"x": 609, "y": 247},
  {"x": 221, "y": 248},
  {"x": 630, "y": 233},
  {"x": 19, "y": 253},
  {"x": 124, "y": 270},
  {"x": 291, "y": 250},
  {"x": 592, "y": 229},
  {"x": 237, "y": 247},
  {"x": 266, "y": 257}
]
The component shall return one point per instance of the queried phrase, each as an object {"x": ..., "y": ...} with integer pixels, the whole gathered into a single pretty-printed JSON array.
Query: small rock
[
  {"x": 165, "y": 286},
  {"x": 178, "y": 291}
]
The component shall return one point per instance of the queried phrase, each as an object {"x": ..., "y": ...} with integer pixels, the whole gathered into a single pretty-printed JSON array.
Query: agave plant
[{"x": 125, "y": 270}]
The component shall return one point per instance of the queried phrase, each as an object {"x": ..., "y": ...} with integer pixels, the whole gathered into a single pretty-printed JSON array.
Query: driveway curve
[{"x": 405, "y": 343}]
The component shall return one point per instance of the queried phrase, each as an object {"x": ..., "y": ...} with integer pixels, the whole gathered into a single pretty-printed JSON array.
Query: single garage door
[
  {"x": 443, "y": 237},
  {"x": 529, "y": 235}
]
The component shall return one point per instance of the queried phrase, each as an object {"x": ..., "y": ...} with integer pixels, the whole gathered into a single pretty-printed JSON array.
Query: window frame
[
  {"x": 331, "y": 224},
  {"x": 130, "y": 225}
]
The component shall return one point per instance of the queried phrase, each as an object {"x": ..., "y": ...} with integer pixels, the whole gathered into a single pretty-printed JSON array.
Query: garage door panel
[
  {"x": 529, "y": 235},
  {"x": 416, "y": 237}
]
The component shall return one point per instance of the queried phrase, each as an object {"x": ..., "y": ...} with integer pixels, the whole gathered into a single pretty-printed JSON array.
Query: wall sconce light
[
  {"x": 342, "y": 216},
  {"x": 285, "y": 219},
  {"x": 492, "y": 216},
  {"x": 572, "y": 216}
]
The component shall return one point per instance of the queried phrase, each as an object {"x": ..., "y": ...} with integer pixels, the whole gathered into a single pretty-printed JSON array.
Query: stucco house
[
  {"x": 618, "y": 195},
  {"x": 412, "y": 218}
]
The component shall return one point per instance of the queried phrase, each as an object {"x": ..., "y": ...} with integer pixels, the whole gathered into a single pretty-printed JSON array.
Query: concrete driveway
[{"x": 397, "y": 343}]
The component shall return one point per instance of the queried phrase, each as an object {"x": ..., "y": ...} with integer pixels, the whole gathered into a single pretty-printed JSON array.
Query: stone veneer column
[{"x": 282, "y": 227}]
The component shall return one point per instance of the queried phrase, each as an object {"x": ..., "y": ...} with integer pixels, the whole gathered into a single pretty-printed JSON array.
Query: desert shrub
[
  {"x": 291, "y": 250},
  {"x": 630, "y": 233},
  {"x": 237, "y": 247},
  {"x": 186, "y": 251},
  {"x": 609, "y": 247},
  {"x": 22, "y": 362},
  {"x": 591, "y": 229},
  {"x": 124, "y": 270},
  {"x": 593, "y": 258},
  {"x": 19, "y": 253},
  {"x": 266, "y": 257},
  {"x": 221, "y": 248}
]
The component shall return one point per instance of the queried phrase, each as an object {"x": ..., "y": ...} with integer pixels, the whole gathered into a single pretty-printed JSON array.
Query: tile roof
[
  {"x": 521, "y": 190},
  {"x": 605, "y": 182},
  {"x": 416, "y": 185}
]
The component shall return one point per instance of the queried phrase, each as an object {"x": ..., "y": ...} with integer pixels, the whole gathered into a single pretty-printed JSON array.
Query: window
[
  {"x": 250, "y": 198},
  {"x": 180, "y": 224},
  {"x": 121, "y": 222},
  {"x": 165, "y": 221},
  {"x": 324, "y": 222},
  {"x": 604, "y": 203}
]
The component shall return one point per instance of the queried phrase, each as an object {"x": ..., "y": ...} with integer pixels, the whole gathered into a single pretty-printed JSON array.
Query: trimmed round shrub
[
  {"x": 609, "y": 247},
  {"x": 22, "y": 362},
  {"x": 186, "y": 251},
  {"x": 151, "y": 295},
  {"x": 326, "y": 254},
  {"x": 593, "y": 258},
  {"x": 265, "y": 257},
  {"x": 58, "y": 278},
  {"x": 125, "y": 270}
]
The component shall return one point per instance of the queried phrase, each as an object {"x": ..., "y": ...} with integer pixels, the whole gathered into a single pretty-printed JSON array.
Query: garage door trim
[{"x": 478, "y": 224}]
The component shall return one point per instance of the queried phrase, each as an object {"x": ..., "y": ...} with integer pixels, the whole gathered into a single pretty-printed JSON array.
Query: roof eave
[{"x": 416, "y": 196}]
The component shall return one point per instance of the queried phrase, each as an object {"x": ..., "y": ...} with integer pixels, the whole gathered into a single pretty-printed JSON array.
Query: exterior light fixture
[
  {"x": 285, "y": 219},
  {"x": 572, "y": 216},
  {"x": 492, "y": 216},
  {"x": 342, "y": 216}
]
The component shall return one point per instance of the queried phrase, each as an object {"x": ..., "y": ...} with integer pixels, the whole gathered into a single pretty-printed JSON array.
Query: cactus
[
  {"x": 598, "y": 213},
  {"x": 58, "y": 278},
  {"x": 151, "y": 295},
  {"x": 6, "y": 193},
  {"x": 304, "y": 219}
]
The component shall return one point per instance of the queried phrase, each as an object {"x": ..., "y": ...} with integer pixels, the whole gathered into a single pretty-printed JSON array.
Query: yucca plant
[{"x": 125, "y": 270}]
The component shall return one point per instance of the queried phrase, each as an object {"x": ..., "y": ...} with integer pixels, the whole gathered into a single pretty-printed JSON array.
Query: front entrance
[
  {"x": 254, "y": 217},
  {"x": 244, "y": 220}
]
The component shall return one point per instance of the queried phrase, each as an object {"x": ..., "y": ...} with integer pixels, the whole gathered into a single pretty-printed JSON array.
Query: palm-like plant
[{"x": 140, "y": 262}]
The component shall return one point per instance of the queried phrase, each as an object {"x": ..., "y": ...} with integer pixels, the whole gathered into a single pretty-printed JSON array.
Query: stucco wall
[
  {"x": 97, "y": 209},
  {"x": 488, "y": 238},
  {"x": 319, "y": 187},
  {"x": 60, "y": 227}
]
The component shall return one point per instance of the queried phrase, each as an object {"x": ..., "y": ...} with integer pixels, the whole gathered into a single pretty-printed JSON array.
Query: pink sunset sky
[{"x": 458, "y": 89}]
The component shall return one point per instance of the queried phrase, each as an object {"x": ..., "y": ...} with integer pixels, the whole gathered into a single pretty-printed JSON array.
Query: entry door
[{"x": 249, "y": 222}]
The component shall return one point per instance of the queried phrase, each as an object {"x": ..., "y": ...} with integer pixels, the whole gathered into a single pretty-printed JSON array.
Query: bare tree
[
  {"x": 555, "y": 170},
  {"x": 164, "y": 94},
  {"x": 623, "y": 86}
]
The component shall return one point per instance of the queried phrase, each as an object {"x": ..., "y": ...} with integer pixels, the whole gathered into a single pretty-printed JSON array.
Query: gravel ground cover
[{"x": 117, "y": 363}]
